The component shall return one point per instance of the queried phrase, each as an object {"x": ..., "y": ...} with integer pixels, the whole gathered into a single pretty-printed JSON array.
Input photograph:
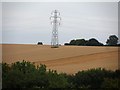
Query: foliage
[
  {"x": 27, "y": 75},
  {"x": 56, "y": 80},
  {"x": 73, "y": 42},
  {"x": 110, "y": 83},
  {"x": 83, "y": 42},
  {"x": 93, "y": 42},
  {"x": 66, "y": 44},
  {"x": 92, "y": 78},
  {"x": 113, "y": 40},
  {"x": 39, "y": 43},
  {"x": 80, "y": 42}
]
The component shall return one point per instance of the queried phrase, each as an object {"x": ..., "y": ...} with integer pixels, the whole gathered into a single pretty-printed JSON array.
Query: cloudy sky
[{"x": 29, "y": 22}]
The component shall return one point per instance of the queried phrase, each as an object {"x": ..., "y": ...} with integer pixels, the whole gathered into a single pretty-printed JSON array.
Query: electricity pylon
[{"x": 55, "y": 21}]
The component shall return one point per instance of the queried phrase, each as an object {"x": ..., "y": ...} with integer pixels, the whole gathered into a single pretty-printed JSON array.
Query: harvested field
[{"x": 68, "y": 59}]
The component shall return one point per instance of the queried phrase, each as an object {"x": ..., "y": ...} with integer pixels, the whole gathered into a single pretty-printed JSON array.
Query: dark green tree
[
  {"x": 93, "y": 42},
  {"x": 73, "y": 42},
  {"x": 39, "y": 43},
  {"x": 81, "y": 42},
  {"x": 113, "y": 40},
  {"x": 66, "y": 44}
]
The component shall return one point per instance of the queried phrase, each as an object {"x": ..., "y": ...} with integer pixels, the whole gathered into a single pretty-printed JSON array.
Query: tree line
[
  {"x": 26, "y": 75},
  {"x": 111, "y": 41}
]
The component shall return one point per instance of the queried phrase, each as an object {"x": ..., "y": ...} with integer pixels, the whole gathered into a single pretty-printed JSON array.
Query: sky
[{"x": 28, "y": 22}]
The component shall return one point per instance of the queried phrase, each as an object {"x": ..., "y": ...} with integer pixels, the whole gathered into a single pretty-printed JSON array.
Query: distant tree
[
  {"x": 39, "y": 43},
  {"x": 113, "y": 40},
  {"x": 83, "y": 42},
  {"x": 118, "y": 44},
  {"x": 73, "y": 42},
  {"x": 80, "y": 42},
  {"x": 66, "y": 44},
  {"x": 93, "y": 42}
]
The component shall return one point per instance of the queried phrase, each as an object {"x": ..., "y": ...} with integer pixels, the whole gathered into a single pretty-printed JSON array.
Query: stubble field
[{"x": 68, "y": 59}]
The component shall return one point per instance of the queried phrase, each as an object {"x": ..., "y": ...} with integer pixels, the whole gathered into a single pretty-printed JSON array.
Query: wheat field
[{"x": 66, "y": 59}]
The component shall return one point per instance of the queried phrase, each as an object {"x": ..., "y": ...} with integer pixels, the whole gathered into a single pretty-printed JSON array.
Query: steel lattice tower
[{"x": 55, "y": 21}]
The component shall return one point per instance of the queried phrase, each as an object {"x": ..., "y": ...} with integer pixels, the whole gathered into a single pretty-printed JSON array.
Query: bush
[
  {"x": 57, "y": 80},
  {"x": 27, "y": 75},
  {"x": 92, "y": 78},
  {"x": 110, "y": 83}
]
